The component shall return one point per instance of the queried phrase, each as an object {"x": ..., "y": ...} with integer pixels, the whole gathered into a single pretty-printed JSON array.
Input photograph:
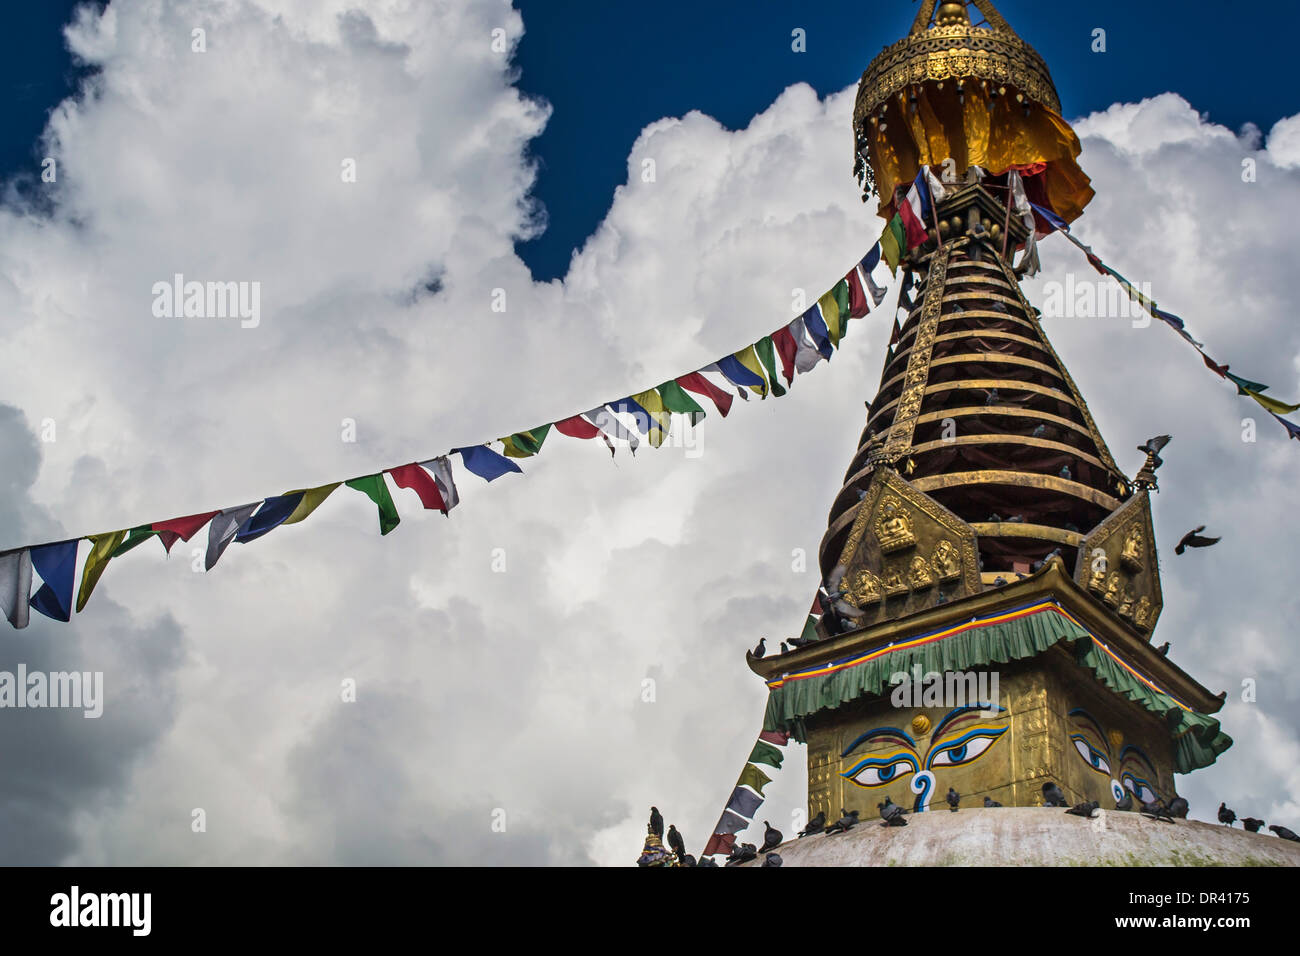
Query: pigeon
[
  {"x": 1038, "y": 565},
  {"x": 1126, "y": 803},
  {"x": 1084, "y": 809},
  {"x": 772, "y": 859},
  {"x": 954, "y": 799},
  {"x": 999, "y": 581},
  {"x": 785, "y": 648},
  {"x": 1163, "y": 649},
  {"x": 891, "y": 813},
  {"x": 1040, "y": 431},
  {"x": 989, "y": 802},
  {"x": 1016, "y": 519},
  {"x": 688, "y": 860},
  {"x": 847, "y": 821},
  {"x": 1252, "y": 823},
  {"x": 707, "y": 861},
  {"x": 1157, "y": 811},
  {"x": 676, "y": 843},
  {"x": 1194, "y": 539},
  {"x": 1285, "y": 834},
  {"x": 993, "y": 398},
  {"x": 1152, "y": 447},
  {"x": 797, "y": 642},
  {"x": 816, "y": 825},
  {"x": 995, "y": 517},
  {"x": 761, "y": 649},
  {"x": 1225, "y": 815},
  {"x": 1066, "y": 473},
  {"x": 1053, "y": 796},
  {"x": 1178, "y": 807},
  {"x": 742, "y": 854},
  {"x": 771, "y": 837},
  {"x": 656, "y": 822}
]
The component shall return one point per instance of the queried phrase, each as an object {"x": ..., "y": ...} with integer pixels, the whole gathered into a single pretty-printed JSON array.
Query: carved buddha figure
[
  {"x": 894, "y": 582},
  {"x": 865, "y": 589},
  {"x": 1112, "y": 593},
  {"x": 894, "y": 526},
  {"x": 945, "y": 562},
  {"x": 919, "y": 576},
  {"x": 1142, "y": 614},
  {"x": 1131, "y": 555},
  {"x": 1126, "y": 604}
]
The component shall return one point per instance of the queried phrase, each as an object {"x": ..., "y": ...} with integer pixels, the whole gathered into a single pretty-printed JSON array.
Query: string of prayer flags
[
  {"x": 375, "y": 488},
  {"x": 16, "y": 586},
  {"x": 747, "y": 796},
  {"x": 1254, "y": 390},
  {"x": 57, "y": 565},
  {"x": 798, "y": 346}
]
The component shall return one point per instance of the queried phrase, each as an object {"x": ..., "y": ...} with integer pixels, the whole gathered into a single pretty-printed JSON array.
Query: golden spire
[{"x": 964, "y": 93}]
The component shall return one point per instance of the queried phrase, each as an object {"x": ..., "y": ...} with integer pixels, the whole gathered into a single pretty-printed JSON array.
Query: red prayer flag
[
  {"x": 778, "y": 737},
  {"x": 1219, "y": 370},
  {"x": 577, "y": 427},
  {"x": 697, "y": 383},
  {"x": 180, "y": 529},
  {"x": 719, "y": 842},
  {"x": 787, "y": 348},
  {"x": 858, "y": 301},
  {"x": 421, "y": 482}
]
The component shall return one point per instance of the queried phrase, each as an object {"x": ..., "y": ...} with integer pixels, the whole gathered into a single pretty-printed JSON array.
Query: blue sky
[{"x": 610, "y": 69}]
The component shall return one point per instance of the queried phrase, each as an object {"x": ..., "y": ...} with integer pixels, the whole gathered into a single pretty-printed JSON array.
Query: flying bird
[
  {"x": 1084, "y": 809},
  {"x": 1252, "y": 823},
  {"x": 656, "y": 822},
  {"x": 761, "y": 649},
  {"x": 954, "y": 799},
  {"x": 816, "y": 825},
  {"x": 676, "y": 843},
  {"x": 1226, "y": 816},
  {"x": 771, "y": 837},
  {"x": 1285, "y": 834},
  {"x": 1053, "y": 795},
  {"x": 990, "y": 802},
  {"x": 1193, "y": 539}
]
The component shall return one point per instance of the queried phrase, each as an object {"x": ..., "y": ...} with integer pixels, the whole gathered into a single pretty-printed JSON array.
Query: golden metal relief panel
[{"x": 1117, "y": 564}]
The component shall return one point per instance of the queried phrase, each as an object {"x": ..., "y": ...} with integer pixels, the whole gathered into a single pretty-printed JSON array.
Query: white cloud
[{"x": 522, "y": 690}]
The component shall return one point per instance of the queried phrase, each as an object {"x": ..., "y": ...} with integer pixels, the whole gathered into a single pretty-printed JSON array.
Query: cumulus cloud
[{"x": 506, "y": 659}]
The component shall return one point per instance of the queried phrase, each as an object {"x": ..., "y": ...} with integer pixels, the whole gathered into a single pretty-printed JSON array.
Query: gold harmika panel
[{"x": 1117, "y": 564}]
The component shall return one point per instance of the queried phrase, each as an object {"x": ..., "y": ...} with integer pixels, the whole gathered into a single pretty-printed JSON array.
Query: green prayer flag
[
  {"x": 134, "y": 538},
  {"x": 764, "y": 752},
  {"x": 767, "y": 355},
  {"x": 374, "y": 488},
  {"x": 676, "y": 399},
  {"x": 809, "y": 629},
  {"x": 841, "y": 293},
  {"x": 526, "y": 444},
  {"x": 753, "y": 778},
  {"x": 1245, "y": 386}
]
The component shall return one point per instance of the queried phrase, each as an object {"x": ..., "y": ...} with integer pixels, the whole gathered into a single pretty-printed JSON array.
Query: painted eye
[
  {"x": 879, "y": 771},
  {"x": 1093, "y": 757},
  {"x": 966, "y": 748},
  {"x": 1140, "y": 788}
]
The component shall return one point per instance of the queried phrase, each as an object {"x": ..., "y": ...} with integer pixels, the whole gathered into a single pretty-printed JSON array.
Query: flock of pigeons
[{"x": 893, "y": 815}]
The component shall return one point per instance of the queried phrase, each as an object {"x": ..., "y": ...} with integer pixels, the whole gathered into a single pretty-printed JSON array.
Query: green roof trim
[{"x": 1007, "y": 637}]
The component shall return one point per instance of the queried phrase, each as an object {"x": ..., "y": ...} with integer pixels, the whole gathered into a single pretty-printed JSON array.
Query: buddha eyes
[
  {"x": 964, "y": 749},
  {"x": 879, "y": 771},
  {"x": 1091, "y": 755}
]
